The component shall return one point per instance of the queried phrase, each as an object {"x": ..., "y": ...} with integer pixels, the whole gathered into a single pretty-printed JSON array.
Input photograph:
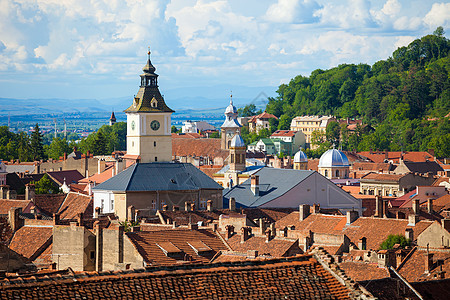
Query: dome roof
[
  {"x": 333, "y": 158},
  {"x": 300, "y": 156},
  {"x": 231, "y": 109},
  {"x": 237, "y": 141}
]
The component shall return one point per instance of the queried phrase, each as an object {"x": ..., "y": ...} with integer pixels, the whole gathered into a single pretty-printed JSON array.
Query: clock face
[
  {"x": 133, "y": 125},
  {"x": 154, "y": 125}
]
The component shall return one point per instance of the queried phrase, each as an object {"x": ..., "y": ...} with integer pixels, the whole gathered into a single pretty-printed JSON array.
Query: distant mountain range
[{"x": 185, "y": 101}]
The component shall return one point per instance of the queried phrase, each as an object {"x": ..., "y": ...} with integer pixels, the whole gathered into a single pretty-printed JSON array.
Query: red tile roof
[
  {"x": 370, "y": 166},
  {"x": 413, "y": 267},
  {"x": 49, "y": 203},
  {"x": 270, "y": 214},
  {"x": 74, "y": 204},
  {"x": 284, "y": 133},
  {"x": 70, "y": 176},
  {"x": 146, "y": 242},
  {"x": 188, "y": 135},
  {"x": 382, "y": 177},
  {"x": 6, "y": 205},
  {"x": 317, "y": 223},
  {"x": 360, "y": 271},
  {"x": 376, "y": 230},
  {"x": 379, "y": 157},
  {"x": 442, "y": 203},
  {"x": 30, "y": 241},
  {"x": 182, "y": 217},
  {"x": 198, "y": 147},
  {"x": 99, "y": 178},
  {"x": 297, "y": 278},
  {"x": 264, "y": 115},
  {"x": 276, "y": 247}
]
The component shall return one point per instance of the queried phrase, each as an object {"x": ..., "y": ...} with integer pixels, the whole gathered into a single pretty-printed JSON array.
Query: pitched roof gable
[
  {"x": 30, "y": 241},
  {"x": 74, "y": 204}
]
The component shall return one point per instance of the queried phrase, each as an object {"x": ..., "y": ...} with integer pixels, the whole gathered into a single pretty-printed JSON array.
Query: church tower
[
  {"x": 237, "y": 154},
  {"x": 231, "y": 125},
  {"x": 148, "y": 122}
]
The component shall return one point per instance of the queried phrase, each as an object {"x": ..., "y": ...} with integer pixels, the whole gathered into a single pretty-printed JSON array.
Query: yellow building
[
  {"x": 149, "y": 122},
  {"x": 309, "y": 124}
]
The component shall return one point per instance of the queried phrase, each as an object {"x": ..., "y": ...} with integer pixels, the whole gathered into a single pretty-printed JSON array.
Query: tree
[
  {"x": 247, "y": 111},
  {"x": 36, "y": 145},
  {"x": 173, "y": 129},
  {"x": 284, "y": 123},
  {"x": 393, "y": 239},
  {"x": 57, "y": 148},
  {"x": 46, "y": 186},
  {"x": 439, "y": 31},
  {"x": 333, "y": 132},
  {"x": 99, "y": 145}
]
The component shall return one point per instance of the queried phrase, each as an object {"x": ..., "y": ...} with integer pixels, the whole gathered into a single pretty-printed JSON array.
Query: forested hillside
[{"x": 405, "y": 98}]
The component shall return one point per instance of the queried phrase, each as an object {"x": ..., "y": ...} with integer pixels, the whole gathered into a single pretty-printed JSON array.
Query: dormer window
[{"x": 154, "y": 103}]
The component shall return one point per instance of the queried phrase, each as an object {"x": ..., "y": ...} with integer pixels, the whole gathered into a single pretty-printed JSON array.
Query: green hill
[{"x": 405, "y": 98}]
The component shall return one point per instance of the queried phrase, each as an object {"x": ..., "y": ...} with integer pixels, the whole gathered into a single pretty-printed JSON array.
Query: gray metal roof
[
  {"x": 159, "y": 176},
  {"x": 273, "y": 183}
]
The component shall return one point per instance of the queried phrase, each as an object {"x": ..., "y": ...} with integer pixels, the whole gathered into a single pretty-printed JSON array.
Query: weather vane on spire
[
  {"x": 231, "y": 97},
  {"x": 149, "y": 52}
]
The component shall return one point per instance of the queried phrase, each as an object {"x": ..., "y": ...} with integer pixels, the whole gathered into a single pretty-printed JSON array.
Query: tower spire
[{"x": 231, "y": 97}]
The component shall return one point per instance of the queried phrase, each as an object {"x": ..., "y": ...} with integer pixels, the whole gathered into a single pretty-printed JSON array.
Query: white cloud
[
  {"x": 353, "y": 14},
  {"x": 391, "y": 7},
  {"x": 439, "y": 15},
  {"x": 292, "y": 11}
]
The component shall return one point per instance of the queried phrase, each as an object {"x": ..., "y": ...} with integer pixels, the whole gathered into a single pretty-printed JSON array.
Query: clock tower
[{"x": 148, "y": 122}]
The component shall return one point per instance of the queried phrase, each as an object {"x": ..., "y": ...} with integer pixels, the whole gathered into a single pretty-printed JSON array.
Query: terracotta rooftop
[
  {"x": 70, "y": 176},
  {"x": 187, "y": 135},
  {"x": 370, "y": 166},
  {"x": 413, "y": 267},
  {"x": 187, "y": 217},
  {"x": 276, "y": 247},
  {"x": 379, "y": 157},
  {"x": 313, "y": 164},
  {"x": 264, "y": 115},
  {"x": 74, "y": 204},
  {"x": 289, "y": 133},
  {"x": 49, "y": 203},
  {"x": 270, "y": 214},
  {"x": 99, "y": 177},
  {"x": 382, "y": 177},
  {"x": 360, "y": 271},
  {"x": 210, "y": 170},
  {"x": 198, "y": 147},
  {"x": 297, "y": 278},
  {"x": 152, "y": 245},
  {"x": 442, "y": 203},
  {"x": 376, "y": 230},
  {"x": 317, "y": 223},
  {"x": 30, "y": 241},
  {"x": 6, "y": 205}
]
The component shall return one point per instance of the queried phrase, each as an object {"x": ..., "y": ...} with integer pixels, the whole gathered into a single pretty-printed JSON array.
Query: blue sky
[{"x": 97, "y": 48}]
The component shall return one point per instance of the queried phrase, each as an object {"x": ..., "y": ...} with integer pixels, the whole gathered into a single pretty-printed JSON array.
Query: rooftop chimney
[
  {"x": 209, "y": 205},
  {"x": 232, "y": 204},
  {"x": 229, "y": 231},
  {"x": 409, "y": 234},
  {"x": 252, "y": 254},
  {"x": 268, "y": 235},
  {"x": 255, "y": 184},
  {"x": 352, "y": 216},
  {"x": 80, "y": 218},
  {"x": 415, "y": 206},
  {"x": 262, "y": 226},
  {"x": 316, "y": 208},
  {"x": 55, "y": 218},
  {"x": 14, "y": 221},
  {"x": 245, "y": 234},
  {"x": 428, "y": 262},
  {"x": 187, "y": 206},
  {"x": 131, "y": 212},
  {"x": 29, "y": 192},
  {"x": 378, "y": 206},
  {"x": 97, "y": 212},
  {"x": 413, "y": 219},
  {"x": 193, "y": 226},
  {"x": 303, "y": 211},
  {"x": 362, "y": 243},
  {"x": 385, "y": 208},
  {"x": 430, "y": 205}
]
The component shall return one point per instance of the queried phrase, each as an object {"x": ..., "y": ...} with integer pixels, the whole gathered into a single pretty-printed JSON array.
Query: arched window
[{"x": 229, "y": 144}]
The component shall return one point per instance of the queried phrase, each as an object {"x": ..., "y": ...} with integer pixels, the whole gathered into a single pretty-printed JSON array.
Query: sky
[{"x": 95, "y": 49}]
